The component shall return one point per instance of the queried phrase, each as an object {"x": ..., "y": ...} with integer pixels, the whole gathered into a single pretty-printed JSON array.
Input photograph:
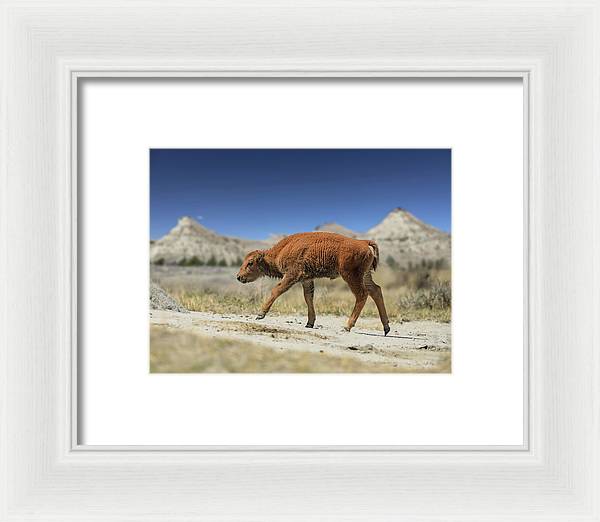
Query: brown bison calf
[{"x": 301, "y": 258}]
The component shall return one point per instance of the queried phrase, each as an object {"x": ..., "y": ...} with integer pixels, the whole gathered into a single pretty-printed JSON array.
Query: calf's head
[{"x": 251, "y": 267}]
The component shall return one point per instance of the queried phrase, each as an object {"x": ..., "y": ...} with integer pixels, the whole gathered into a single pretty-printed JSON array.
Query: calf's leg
[
  {"x": 356, "y": 284},
  {"x": 374, "y": 291},
  {"x": 309, "y": 293},
  {"x": 283, "y": 286}
]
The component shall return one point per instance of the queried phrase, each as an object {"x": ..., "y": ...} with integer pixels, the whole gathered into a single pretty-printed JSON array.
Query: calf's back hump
[{"x": 319, "y": 254}]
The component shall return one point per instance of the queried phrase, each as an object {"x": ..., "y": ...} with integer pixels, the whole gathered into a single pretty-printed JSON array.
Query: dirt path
[{"x": 412, "y": 346}]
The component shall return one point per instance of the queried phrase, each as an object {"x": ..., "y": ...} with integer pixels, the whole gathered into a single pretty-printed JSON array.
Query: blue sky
[{"x": 252, "y": 193}]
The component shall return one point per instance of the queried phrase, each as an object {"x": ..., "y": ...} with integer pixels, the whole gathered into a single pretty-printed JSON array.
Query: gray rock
[{"x": 160, "y": 300}]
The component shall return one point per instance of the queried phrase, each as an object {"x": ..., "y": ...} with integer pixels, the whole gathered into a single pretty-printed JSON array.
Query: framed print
[
  {"x": 252, "y": 250},
  {"x": 246, "y": 177}
]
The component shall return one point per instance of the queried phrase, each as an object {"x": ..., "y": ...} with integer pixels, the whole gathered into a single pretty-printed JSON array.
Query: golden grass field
[{"x": 409, "y": 296}]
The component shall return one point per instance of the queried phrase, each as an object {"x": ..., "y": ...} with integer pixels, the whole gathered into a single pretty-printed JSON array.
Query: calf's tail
[{"x": 375, "y": 250}]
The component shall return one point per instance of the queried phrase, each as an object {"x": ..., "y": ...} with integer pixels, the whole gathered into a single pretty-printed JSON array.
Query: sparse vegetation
[
  {"x": 193, "y": 261},
  {"x": 435, "y": 297},
  {"x": 402, "y": 307},
  {"x": 410, "y": 295}
]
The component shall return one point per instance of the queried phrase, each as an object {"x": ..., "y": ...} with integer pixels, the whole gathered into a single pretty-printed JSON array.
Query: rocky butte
[{"x": 403, "y": 240}]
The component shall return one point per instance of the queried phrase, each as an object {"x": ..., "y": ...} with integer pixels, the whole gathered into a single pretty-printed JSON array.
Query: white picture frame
[{"x": 553, "y": 46}]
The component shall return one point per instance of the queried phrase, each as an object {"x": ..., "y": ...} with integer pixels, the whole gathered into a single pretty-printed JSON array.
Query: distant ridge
[
  {"x": 403, "y": 239},
  {"x": 337, "y": 229}
]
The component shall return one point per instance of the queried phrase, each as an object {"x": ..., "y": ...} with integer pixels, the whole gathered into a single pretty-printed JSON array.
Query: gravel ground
[{"x": 416, "y": 346}]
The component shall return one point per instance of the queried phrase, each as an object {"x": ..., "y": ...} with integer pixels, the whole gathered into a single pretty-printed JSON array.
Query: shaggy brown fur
[{"x": 301, "y": 258}]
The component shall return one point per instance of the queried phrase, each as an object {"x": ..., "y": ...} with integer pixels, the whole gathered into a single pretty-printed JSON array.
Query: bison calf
[{"x": 301, "y": 258}]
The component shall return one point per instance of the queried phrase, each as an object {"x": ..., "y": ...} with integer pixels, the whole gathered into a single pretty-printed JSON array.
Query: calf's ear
[{"x": 260, "y": 258}]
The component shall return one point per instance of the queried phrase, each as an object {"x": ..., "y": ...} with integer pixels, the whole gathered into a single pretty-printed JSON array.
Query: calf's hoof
[
  {"x": 347, "y": 328},
  {"x": 309, "y": 325},
  {"x": 386, "y": 329},
  {"x": 260, "y": 316}
]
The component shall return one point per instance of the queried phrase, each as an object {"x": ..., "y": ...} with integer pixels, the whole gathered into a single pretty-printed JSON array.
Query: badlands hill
[
  {"x": 403, "y": 240},
  {"x": 408, "y": 240},
  {"x": 189, "y": 239}
]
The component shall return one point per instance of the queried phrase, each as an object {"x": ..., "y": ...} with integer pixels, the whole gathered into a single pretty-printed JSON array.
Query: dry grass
[
  {"x": 173, "y": 351},
  {"x": 409, "y": 296},
  {"x": 399, "y": 308}
]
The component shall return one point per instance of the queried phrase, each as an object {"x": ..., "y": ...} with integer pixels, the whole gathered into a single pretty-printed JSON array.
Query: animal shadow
[{"x": 390, "y": 336}]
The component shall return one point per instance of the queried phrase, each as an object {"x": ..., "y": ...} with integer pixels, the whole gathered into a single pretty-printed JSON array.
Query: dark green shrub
[
  {"x": 391, "y": 262},
  {"x": 194, "y": 261}
]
